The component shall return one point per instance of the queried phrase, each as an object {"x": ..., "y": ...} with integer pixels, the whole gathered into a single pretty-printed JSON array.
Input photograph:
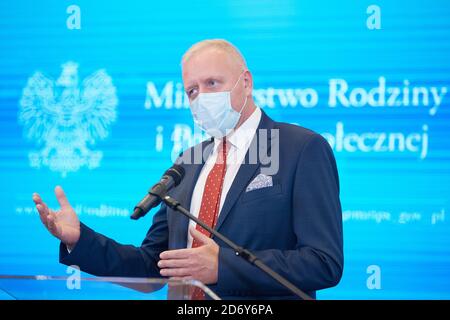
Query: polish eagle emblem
[{"x": 65, "y": 118}]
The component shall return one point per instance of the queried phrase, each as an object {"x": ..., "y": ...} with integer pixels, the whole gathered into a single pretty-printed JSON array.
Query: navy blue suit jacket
[{"x": 295, "y": 226}]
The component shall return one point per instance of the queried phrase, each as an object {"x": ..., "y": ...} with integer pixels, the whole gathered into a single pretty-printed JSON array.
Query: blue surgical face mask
[{"x": 213, "y": 112}]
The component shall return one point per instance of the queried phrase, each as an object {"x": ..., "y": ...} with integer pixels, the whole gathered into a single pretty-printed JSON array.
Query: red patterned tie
[{"x": 210, "y": 205}]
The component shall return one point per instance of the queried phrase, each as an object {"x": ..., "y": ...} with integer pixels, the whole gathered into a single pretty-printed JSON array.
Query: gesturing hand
[
  {"x": 64, "y": 223},
  {"x": 201, "y": 263}
]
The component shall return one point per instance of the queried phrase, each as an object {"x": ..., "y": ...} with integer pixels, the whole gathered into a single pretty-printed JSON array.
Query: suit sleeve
[
  {"x": 317, "y": 261},
  {"x": 99, "y": 255}
]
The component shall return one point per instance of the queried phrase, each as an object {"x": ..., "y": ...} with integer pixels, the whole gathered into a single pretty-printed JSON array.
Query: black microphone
[{"x": 171, "y": 178}]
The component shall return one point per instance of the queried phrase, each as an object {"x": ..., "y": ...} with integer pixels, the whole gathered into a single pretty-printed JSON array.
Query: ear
[{"x": 248, "y": 82}]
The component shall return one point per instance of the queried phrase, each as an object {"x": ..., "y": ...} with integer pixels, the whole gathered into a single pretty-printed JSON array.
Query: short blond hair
[{"x": 220, "y": 44}]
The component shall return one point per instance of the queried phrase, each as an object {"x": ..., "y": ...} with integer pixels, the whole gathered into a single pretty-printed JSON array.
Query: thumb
[
  {"x": 61, "y": 197},
  {"x": 200, "y": 237}
]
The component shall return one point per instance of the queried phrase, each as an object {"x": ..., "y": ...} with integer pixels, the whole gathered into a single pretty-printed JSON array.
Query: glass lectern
[{"x": 42, "y": 287}]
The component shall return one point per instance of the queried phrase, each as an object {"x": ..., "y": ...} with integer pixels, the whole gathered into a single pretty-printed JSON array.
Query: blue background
[{"x": 287, "y": 44}]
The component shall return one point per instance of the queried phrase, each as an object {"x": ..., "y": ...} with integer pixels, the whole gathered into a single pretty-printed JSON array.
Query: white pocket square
[{"x": 260, "y": 181}]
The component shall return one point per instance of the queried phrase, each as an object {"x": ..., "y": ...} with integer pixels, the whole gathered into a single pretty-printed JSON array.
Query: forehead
[{"x": 209, "y": 62}]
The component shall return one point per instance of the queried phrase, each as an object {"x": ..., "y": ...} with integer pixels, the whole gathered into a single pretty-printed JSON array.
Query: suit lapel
[
  {"x": 245, "y": 173},
  {"x": 248, "y": 169}
]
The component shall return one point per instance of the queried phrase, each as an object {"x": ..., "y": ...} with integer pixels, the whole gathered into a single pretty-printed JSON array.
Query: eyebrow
[{"x": 219, "y": 78}]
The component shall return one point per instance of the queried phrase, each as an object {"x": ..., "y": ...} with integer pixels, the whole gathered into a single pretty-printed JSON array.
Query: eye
[
  {"x": 192, "y": 92},
  {"x": 212, "y": 82}
]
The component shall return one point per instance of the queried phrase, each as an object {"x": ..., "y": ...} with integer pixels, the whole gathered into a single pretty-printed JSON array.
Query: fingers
[
  {"x": 181, "y": 278},
  {"x": 52, "y": 225},
  {"x": 61, "y": 197},
  {"x": 42, "y": 213},
  {"x": 203, "y": 239},
  {"x": 47, "y": 216},
  {"x": 176, "y": 254},
  {"x": 179, "y": 272},
  {"x": 38, "y": 202},
  {"x": 41, "y": 208},
  {"x": 37, "y": 198},
  {"x": 174, "y": 263}
]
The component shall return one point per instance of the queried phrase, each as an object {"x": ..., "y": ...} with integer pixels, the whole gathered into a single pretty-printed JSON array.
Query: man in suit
[{"x": 271, "y": 187}]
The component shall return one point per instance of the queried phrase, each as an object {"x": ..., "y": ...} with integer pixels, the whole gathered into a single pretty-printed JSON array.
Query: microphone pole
[{"x": 241, "y": 252}]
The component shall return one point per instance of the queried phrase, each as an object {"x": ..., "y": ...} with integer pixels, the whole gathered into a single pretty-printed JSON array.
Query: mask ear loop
[
  {"x": 244, "y": 105},
  {"x": 238, "y": 80},
  {"x": 246, "y": 98}
]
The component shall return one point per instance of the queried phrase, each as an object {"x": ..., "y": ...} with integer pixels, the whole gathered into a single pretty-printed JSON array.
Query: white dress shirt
[{"x": 240, "y": 141}]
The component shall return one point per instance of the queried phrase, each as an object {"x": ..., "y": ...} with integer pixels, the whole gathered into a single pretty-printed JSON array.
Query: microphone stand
[{"x": 241, "y": 252}]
